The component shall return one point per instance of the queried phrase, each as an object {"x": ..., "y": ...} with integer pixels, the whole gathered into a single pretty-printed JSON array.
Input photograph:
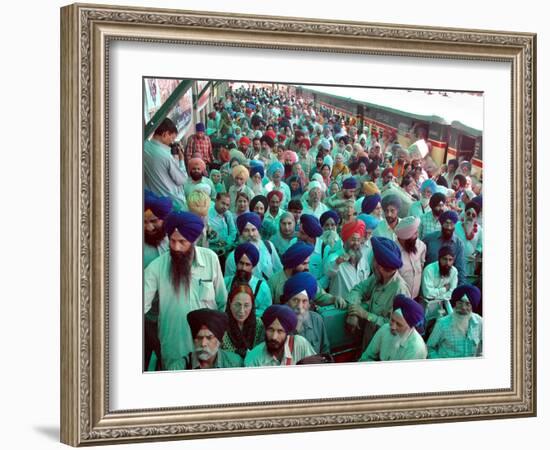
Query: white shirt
[
  {"x": 344, "y": 276},
  {"x": 436, "y": 295},
  {"x": 206, "y": 290}
]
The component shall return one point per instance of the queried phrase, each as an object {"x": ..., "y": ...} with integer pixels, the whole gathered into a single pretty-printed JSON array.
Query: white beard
[
  {"x": 397, "y": 340},
  {"x": 204, "y": 354},
  {"x": 468, "y": 226},
  {"x": 301, "y": 318}
]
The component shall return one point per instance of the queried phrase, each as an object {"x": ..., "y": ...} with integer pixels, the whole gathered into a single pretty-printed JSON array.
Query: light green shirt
[
  {"x": 377, "y": 298},
  {"x": 259, "y": 356},
  {"x": 207, "y": 290},
  {"x": 382, "y": 348}
]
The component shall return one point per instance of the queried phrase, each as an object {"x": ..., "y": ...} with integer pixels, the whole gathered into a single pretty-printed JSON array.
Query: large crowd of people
[{"x": 275, "y": 211}]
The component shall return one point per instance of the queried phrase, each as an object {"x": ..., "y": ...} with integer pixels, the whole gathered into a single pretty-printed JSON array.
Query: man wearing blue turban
[
  {"x": 422, "y": 206},
  {"x": 275, "y": 172},
  {"x": 446, "y": 237},
  {"x": 340, "y": 200},
  {"x": 295, "y": 260},
  {"x": 246, "y": 257},
  {"x": 281, "y": 347},
  {"x": 460, "y": 334},
  {"x": 310, "y": 233},
  {"x": 155, "y": 210},
  {"x": 399, "y": 339},
  {"x": 248, "y": 226},
  {"x": 186, "y": 278},
  {"x": 298, "y": 293},
  {"x": 371, "y": 300}
]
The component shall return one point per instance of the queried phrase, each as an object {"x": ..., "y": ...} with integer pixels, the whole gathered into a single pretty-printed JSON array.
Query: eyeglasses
[{"x": 471, "y": 213}]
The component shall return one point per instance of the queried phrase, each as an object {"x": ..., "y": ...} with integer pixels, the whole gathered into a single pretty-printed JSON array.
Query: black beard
[
  {"x": 273, "y": 346},
  {"x": 410, "y": 245},
  {"x": 393, "y": 220},
  {"x": 181, "y": 268},
  {"x": 444, "y": 271},
  {"x": 446, "y": 234},
  {"x": 243, "y": 276},
  {"x": 196, "y": 176},
  {"x": 154, "y": 238},
  {"x": 295, "y": 271}
]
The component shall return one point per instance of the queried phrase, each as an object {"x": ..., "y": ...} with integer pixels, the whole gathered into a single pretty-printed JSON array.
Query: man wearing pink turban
[
  {"x": 413, "y": 253},
  {"x": 197, "y": 168}
]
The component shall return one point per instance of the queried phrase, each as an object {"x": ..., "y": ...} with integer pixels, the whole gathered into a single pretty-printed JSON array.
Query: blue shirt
[{"x": 434, "y": 242}]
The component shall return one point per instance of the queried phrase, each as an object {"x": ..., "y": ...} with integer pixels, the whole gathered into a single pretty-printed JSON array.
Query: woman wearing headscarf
[
  {"x": 275, "y": 173},
  {"x": 242, "y": 204},
  {"x": 296, "y": 187},
  {"x": 245, "y": 331}
]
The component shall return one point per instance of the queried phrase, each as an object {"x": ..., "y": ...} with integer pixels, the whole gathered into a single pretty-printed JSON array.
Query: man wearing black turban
[
  {"x": 185, "y": 279},
  {"x": 207, "y": 329},
  {"x": 281, "y": 347}
]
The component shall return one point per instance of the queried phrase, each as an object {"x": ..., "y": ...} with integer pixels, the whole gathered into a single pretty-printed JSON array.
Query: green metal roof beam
[
  {"x": 166, "y": 107},
  {"x": 198, "y": 97}
]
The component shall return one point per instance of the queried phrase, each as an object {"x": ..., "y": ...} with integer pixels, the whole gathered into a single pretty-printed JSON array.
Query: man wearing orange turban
[{"x": 349, "y": 266}]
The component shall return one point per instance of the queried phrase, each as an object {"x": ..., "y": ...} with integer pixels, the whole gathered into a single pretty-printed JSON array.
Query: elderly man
[
  {"x": 197, "y": 169},
  {"x": 422, "y": 206},
  {"x": 446, "y": 237},
  {"x": 390, "y": 205},
  {"x": 295, "y": 260},
  {"x": 460, "y": 334},
  {"x": 248, "y": 225},
  {"x": 281, "y": 347},
  {"x": 429, "y": 221},
  {"x": 372, "y": 206},
  {"x": 162, "y": 173},
  {"x": 349, "y": 267},
  {"x": 246, "y": 257},
  {"x": 439, "y": 280},
  {"x": 199, "y": 145},
  {"x": 313, "y": 204},
  {"x": 399, "y": 340},
  {"x": 298, "y": 293},
  {"x": 207, "y": 329},
  {"x": 185, "y": 279},
  {"x": 155, "y": 243},
  {"x": 372, "y": 299},
  {"x": 222, "y": 228},
  {"x": 413, "y": 253}
]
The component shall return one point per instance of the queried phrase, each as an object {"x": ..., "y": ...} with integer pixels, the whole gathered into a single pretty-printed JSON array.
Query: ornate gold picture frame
[{"x": 87, "y": 32}]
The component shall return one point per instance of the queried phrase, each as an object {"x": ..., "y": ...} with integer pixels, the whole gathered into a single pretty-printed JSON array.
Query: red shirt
[{"x": 200, "y": 147}]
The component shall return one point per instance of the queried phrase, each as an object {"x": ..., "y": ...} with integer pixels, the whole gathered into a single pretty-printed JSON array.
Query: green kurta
[
  {"x": 207, "y": 290},
  {"x": 377, "y": 298}
]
